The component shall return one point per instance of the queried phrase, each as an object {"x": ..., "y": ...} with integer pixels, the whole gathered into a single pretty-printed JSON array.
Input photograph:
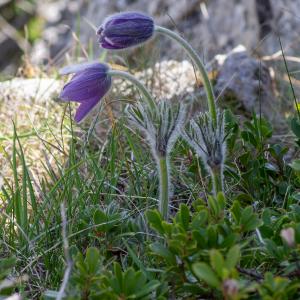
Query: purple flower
[
  {"x": 88, "y": 86},
  {"x": 124, "y": 30}
]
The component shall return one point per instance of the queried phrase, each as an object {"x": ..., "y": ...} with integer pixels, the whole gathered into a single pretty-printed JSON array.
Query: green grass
[{"x": 90, "y": 178}]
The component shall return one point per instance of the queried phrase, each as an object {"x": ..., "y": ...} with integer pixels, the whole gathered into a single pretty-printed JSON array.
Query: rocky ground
[{"x": 213, "y": 27}]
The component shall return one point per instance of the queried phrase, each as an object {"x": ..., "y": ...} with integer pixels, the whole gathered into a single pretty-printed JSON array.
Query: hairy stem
[
  {"x": 197, "y": 61},
  {"x": 163, "y": 187},
  {"x": 217, "y": 179},
  {"x": 136, "y": 82}
]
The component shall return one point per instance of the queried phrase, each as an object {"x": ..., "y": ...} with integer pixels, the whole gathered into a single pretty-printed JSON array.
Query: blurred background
[{"x": 45, "y": 33}]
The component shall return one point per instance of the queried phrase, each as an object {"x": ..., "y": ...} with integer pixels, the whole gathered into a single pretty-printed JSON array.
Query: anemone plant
[
  {"x": 210, "y": 144},
  {"x": 129, "y": 29},
  {"x": 161, "y": 123},
  {"x": 161, "y": 127}
]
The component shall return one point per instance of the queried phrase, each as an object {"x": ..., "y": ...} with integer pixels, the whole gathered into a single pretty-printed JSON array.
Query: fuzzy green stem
[
  {"x": 137, "y": 83},
  {"x": 163, "y": 187},
  {"x": 197, "y": 61},
  {"x": 217, "y": 180}
]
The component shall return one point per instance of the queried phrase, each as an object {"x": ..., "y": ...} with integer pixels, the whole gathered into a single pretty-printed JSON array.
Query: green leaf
[
  {"x": 295, "y": 165},
  {"x": 199, "y": 219},
  {"x": 164, "y": 252},
  {"x": 244, "y": 199},
  {"x": 252, "y": 224},
  {"x": 236, "y": 211},
  {"x": 130, "y": 281},
  {"x": 5, "y": 268},
  {"x": 92, "y": 259},
  {"x": 155, "y": 220},
  {"x": 140, "y": 280},
  {"x": 135, "y": 258},
  {"x": 101, "y": 218},
  {"x": 295, "y": 126},
  {"x": 221, "y": 201},
  {"x": 167, "y": 227},
  {"x": 249, "y": 220},
  {"x": 247, "y": 136},
  {"x": 247, "y": 213},
  {"x": 119, "y": 276},
  {"x": 204, "y": 272},
  {"x": 212, "y": 236},
  {"x": 184, "y": 216},
  {"x": 213, "y": 205},
  {"x": 147, "y": 289},
  {"x": 217, "y": 261},
  {"x": 232, "y": 257}
]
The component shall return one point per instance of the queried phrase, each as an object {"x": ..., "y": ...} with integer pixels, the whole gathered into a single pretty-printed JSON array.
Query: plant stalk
[
  {"x": 137, "y": 83},
  {"x": 197, "y": 61},
  {"x": 217, "y": 180},
  {"x": 163, "y": 187}
]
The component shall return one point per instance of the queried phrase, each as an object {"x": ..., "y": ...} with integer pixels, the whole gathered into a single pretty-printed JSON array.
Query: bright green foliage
[
  {"x": 278, "y": 288},
  {"x": 92, "y": 279},
  {"x": 195, "y": 243},
  {"x": 245, "y": 220}
]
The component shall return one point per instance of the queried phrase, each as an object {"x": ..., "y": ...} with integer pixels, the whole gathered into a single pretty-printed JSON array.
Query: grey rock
[
  {"x": 39, "y": 90},
  {"x": 285, "y": 22},
  {"x": 246, "y": 81}
]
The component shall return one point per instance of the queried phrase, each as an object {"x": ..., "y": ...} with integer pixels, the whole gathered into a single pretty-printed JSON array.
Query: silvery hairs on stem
[
  {"x": 161, "y": 126},
  {"x": 208, "y": 142}
]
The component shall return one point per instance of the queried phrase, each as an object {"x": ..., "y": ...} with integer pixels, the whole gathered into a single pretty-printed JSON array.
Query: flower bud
[
  {"x": 288, "y": 235},
  {"x": 124, "y": 30},
  {"x": 208, "y": 142},
  {"x": 230, "y": 288},
  {"x": 162, "y": 127}
]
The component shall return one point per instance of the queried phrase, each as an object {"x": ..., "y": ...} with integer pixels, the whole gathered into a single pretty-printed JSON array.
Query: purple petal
[
  {"x": 88, "y": 86},
  {"x": 89, "y": 83},
  {"x": 84, "y": 108},
  {"x": 75, "y": 68},
  {"x": 82, "y": 87}
]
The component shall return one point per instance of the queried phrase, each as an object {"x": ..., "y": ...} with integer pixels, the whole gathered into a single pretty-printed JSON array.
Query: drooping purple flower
[
  {"x": 88, "y": 86},
  {"x": 124, "y": 30}
]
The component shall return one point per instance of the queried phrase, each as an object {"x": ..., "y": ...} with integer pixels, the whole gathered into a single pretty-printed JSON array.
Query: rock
[
  {"x": 40, "y": 90},
  {"x": 246, "y": 81},
  {"x": 57, "y": 37},
  {"x": 169, "y": 79},
  {"x": 12, "y": 42},
  {"x": 284, "y": 23},
  {"x": 211, "y": 26},
  {"x": 225, "y": 25}
]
